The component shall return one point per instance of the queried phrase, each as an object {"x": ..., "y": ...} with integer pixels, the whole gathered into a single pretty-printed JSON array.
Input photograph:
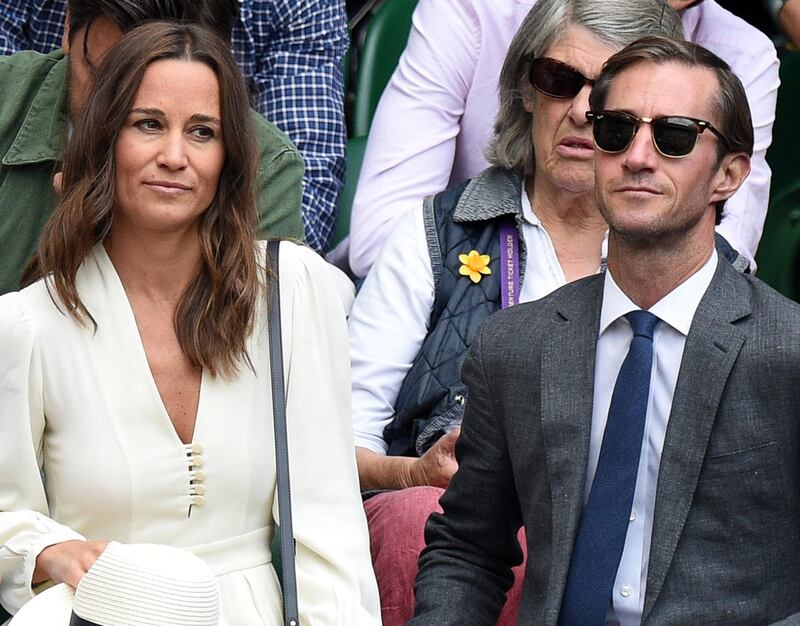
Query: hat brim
[{"x": 51, "y": 607}]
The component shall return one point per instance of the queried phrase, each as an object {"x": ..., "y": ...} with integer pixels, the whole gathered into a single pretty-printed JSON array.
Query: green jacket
[{"x": 33, "y": 123}]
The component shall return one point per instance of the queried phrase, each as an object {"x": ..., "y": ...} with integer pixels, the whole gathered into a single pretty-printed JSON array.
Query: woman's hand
[
  {"x": 434, "y": 468},
  {"x": 437, "y": 466},
  {"x": 67, "y": 562}
]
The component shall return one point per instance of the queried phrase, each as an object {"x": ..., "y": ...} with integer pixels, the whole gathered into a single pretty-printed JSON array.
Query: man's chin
[{"x": 639, "y": 225}]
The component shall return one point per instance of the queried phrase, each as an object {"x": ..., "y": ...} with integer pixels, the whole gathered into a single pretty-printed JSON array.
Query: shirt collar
[
  {"x": 527, "y": 210},
  {"x": 677, "y": 308}
]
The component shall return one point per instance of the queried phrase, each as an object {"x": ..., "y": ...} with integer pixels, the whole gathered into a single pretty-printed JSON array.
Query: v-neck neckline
[{"x": 104, "y": 260}]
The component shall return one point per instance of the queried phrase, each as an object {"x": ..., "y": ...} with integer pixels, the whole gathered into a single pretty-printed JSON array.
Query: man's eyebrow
[{"x": 622, "y": 110}]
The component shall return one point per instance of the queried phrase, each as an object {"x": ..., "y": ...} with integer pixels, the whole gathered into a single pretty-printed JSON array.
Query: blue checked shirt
[{"x": 290, "y": 52}]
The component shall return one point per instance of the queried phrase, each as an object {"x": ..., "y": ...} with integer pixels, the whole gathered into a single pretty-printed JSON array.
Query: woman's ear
[{"x": 528, "y": 97}]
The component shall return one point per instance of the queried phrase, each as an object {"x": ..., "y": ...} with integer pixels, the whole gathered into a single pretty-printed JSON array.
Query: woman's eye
[
  {"x": 203, "y": 132},
  {"x": 148, "y": 125}
]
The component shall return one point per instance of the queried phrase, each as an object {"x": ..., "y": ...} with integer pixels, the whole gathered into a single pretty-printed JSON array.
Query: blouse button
[
  {"x": 199, "y": 476},
  {"x": 197, "y": 448},
  {"x": 198, "y": 500},
  {"x": 197, "y": 461},
  {"x": 198, "y": 490}
]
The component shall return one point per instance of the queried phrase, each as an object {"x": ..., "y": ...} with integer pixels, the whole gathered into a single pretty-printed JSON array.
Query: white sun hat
[{"x": 131, "y": 585}]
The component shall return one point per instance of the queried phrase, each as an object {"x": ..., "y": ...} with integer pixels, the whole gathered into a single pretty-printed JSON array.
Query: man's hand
[
  {"x": 67, "y": 562},
  {"x": 437, "y": 465}
]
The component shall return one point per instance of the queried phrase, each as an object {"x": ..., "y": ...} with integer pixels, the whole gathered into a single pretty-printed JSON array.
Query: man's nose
[{"x": 641, "y": 153}]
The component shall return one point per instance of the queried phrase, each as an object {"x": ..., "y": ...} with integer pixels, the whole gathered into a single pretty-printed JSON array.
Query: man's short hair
[
  {"x": 217, "y": 15},
  {"x": 734, "y": 122}
]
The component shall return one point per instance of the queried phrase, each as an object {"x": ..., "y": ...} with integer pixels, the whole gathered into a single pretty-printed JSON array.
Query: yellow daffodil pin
[{"x": 475, "y": 265}]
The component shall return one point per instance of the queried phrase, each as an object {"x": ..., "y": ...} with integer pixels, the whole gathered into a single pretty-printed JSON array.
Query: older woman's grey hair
[{"x": 614, "y": 22}]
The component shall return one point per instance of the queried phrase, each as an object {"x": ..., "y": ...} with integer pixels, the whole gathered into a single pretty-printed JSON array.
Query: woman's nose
[
  {"x": 172, "y": 152},
  {"x": 580, "y": 104}
]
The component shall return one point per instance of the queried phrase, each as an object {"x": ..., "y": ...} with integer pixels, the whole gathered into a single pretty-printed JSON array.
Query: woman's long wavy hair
[{"x": 215, "y": 314}]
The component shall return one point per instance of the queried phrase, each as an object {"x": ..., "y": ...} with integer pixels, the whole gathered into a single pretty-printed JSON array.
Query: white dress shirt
[
  {"x": 390, "y": 317},
  {"x": 675, "y": 312},
  {"x": 435, "y": 116}
]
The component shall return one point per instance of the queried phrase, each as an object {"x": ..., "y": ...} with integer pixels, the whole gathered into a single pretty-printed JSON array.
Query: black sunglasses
[
  {"x": 674, "y": 136},
  {"x": 556, "y": 79}
]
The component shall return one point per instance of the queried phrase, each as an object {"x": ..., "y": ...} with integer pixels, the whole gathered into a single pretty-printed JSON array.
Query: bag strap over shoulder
[{"x": 290, "y": 610}]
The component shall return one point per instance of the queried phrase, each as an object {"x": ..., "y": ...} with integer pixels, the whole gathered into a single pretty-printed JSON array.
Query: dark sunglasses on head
[
  {"x": 674, "y": 136},
  {"x": 556, "y": 79}
]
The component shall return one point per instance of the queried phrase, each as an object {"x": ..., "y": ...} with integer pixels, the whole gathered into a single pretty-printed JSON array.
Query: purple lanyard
[{"x": 509, "y": 264}]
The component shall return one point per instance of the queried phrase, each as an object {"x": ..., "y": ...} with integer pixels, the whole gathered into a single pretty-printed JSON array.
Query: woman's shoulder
[
  {"x": 296, "y": 260},
  {"x": 13, "y": 310},
  {"x": 26, "y": 307},
  {"x": 302, "y": 268},
  {"x": 19, "y": 319}
]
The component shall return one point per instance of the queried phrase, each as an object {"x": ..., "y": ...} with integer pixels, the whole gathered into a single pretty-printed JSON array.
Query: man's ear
[
  {"x": 733, "y": 169},
  {"x": 65, "y": 37}
]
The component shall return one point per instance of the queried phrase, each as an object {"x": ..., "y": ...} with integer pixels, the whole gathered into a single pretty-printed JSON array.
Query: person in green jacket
[{"x": 41, "y": 93}]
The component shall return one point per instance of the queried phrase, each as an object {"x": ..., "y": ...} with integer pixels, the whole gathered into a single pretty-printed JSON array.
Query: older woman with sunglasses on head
[{"x": 517, "y": 231}]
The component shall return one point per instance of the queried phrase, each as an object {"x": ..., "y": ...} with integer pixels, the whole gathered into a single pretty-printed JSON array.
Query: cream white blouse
[{"x": 88, "y": 450}]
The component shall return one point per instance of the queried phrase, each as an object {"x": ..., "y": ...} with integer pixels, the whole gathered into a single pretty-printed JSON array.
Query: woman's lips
[
  {"x": 167, "y": 186},
  {"x": 576, "y": 147}
]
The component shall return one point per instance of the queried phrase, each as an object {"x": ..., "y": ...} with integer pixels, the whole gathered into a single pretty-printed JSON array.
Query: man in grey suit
[{"x": 641, "y": 424}]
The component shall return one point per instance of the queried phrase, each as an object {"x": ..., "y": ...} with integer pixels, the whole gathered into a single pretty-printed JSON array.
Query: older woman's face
[
  {"x": 562, "y": 138},
  {"x": 169, "y": 153}
]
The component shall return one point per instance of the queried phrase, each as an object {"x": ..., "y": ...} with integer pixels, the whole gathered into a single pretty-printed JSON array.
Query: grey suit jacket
[{"x": 726, "y": 537}]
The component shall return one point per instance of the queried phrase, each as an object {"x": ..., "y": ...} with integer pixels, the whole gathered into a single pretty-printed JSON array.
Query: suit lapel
[
  {"x": 711, "y": 349},
  {"x": 567, "y": 383}
]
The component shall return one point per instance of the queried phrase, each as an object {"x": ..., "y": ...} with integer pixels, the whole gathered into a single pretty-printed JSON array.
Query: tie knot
[{"x": 642, "y": 323}]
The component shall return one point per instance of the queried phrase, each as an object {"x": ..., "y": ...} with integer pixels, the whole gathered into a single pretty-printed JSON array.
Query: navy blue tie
[{"x": 606, "y": 516}]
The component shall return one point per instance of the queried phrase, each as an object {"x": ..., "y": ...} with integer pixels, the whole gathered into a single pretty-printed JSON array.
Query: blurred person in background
[{"x": 786, "y": 14}]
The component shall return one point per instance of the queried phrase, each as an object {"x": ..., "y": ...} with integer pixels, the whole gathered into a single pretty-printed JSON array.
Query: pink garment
[
  {"x": 396, "y": 521},
  {"x": 435, "y": 116},
  {"x": 437, "y": 113}
]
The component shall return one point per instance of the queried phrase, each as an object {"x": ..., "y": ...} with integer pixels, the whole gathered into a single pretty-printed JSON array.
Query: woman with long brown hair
[{"x": 134, "y": 375}]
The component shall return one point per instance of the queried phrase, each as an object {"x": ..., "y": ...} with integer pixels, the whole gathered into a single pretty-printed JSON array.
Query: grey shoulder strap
[{"x": 290, "y": 611}]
